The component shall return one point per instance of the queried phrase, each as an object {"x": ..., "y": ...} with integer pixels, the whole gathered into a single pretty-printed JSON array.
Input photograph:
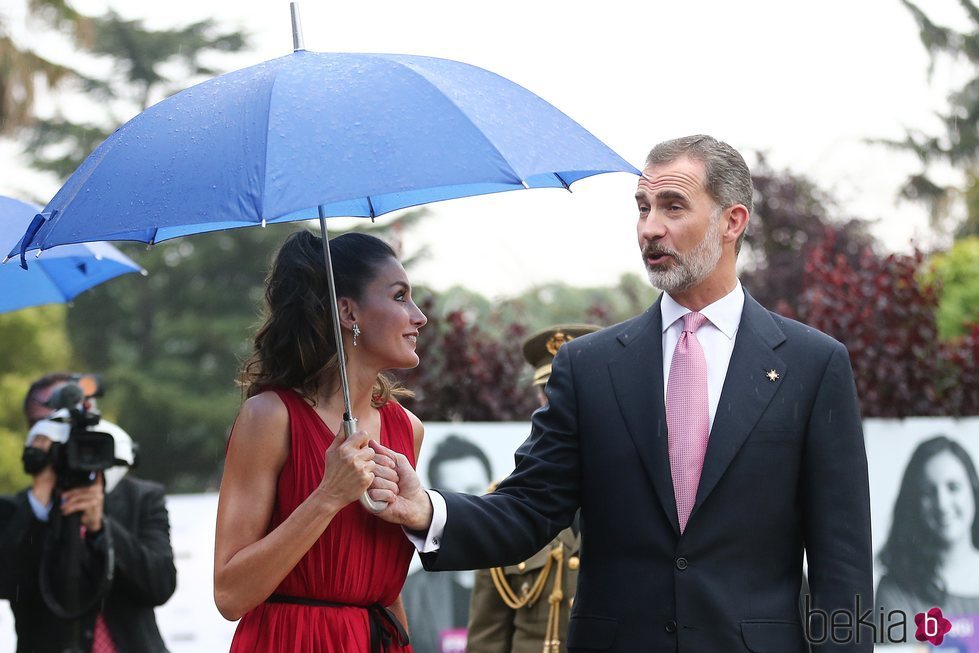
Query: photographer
[{"x": 125, "y": 558}]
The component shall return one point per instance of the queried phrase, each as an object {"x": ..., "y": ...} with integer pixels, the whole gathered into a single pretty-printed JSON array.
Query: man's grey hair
[{"x": 726, "y": 175}]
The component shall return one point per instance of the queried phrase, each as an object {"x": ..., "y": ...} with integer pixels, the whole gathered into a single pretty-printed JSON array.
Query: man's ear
[
  {"x": 347, "y": 310},
  {"x": 735, "y": 222}
]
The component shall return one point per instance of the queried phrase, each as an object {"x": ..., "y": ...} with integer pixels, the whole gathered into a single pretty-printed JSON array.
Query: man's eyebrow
[
  {"x": 665, "y": 194},
  {"x": 668, "y": 194},
  {"x": 400, "y": 283}
]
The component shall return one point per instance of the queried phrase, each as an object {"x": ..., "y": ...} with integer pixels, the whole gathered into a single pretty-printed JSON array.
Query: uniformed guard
[{"x": 524, "y": 608}]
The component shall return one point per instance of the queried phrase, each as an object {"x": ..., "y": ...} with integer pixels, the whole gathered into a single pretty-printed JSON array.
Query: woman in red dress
[{"x": 296, "y": 557}]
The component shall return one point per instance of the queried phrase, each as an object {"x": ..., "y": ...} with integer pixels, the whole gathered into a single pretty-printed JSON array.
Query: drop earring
[{"x": 356, "y": 331}]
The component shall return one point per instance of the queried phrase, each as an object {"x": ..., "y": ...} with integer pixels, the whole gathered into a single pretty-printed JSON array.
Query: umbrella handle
[{"x": 349, "y": 427}]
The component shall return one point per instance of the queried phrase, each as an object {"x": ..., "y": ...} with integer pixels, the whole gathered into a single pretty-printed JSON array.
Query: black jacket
[{"x": 136, "y": 529}]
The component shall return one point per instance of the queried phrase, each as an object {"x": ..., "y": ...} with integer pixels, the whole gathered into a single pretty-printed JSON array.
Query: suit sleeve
[
  {"x": 835, "y": 492},
  {"x": 144, "y": 557},
  {"x": 534, "y": 503}
]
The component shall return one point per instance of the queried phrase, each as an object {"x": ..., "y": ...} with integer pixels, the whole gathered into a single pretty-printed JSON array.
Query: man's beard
[{"x": 688, "y": 269}]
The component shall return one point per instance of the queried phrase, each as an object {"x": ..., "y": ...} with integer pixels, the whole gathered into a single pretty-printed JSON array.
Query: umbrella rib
[
  {"x": 482, "y": 134},
  {"x": 265, "y": 154}
]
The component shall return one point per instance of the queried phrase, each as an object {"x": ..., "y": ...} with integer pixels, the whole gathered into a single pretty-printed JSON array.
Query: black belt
[{"x": 377, "y": 615}]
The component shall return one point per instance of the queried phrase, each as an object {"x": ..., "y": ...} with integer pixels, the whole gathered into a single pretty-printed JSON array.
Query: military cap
[{"x": 540, "y": 348}]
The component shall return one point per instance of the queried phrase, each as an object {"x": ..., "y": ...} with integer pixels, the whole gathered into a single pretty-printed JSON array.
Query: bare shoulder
[
  {"x": 266, "y": 408},
  {"x": 262, "y": 425}
]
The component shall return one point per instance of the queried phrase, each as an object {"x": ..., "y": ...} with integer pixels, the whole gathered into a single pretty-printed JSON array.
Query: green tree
[
  {"x": 957, "y": 144},
  {"x": 33, "y": 342},
  {"x": 154, "y": 361},
  {"x": 955, "y": 273},
  {"x": 148, "y": 65},
  {"x": 21, "y": 68}
]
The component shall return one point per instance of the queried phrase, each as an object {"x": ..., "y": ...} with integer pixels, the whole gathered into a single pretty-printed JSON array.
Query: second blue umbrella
[{"x": 62, "y": 274}]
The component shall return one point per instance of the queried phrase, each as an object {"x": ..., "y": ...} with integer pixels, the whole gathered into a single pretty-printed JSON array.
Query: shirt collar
[{"x": 725, "y": 313}]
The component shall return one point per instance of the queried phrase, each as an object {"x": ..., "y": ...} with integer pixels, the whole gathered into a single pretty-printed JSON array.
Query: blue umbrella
[
  {"x": 64, "y": 272},
  {"x": 313, "y": 135},
  {"x": 351, "y": 134}
]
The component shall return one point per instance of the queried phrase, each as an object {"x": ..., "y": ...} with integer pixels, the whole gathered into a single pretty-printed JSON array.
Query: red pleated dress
[{"x": 359, "y": 561}]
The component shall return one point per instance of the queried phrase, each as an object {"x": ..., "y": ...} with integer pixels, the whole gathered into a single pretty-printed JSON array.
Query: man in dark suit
[
  {"x": 124, "y": 523},
  {"x": 708, "y": 442}
]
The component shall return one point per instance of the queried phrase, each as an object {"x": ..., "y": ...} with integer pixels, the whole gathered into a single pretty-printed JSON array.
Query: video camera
[{"x": 79, "y": 448}]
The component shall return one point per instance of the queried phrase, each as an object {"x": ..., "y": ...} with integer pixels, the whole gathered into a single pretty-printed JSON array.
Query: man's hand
[
  {"x": 89, "y": 501},
  {"x": 397, "y": 484}
]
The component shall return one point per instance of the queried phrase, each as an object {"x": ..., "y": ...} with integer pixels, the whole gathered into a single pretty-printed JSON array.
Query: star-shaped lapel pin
[{"x": 772, "y": 375}]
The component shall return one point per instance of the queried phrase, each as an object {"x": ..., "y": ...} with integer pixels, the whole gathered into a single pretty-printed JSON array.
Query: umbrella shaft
[
  {"x": 297, "y": 28},
  {"x": 335, "y": 311}
]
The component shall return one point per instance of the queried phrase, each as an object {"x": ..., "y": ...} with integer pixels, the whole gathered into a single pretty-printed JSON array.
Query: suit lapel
[
  {"x": 746, "y": 393},
  {"x": 637, "y": 379}
]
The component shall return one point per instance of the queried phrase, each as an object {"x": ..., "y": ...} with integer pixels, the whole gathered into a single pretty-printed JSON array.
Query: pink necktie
[
  {"x": 687, "y": 415},
  {"x": 102, "y": 642}
]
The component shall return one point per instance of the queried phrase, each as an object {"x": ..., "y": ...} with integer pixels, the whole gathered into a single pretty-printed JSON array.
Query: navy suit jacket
[{"x": 785, "y": 471}]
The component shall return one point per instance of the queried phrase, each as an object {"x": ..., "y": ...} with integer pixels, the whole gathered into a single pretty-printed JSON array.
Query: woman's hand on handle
[{"x": 349, "y": 469}]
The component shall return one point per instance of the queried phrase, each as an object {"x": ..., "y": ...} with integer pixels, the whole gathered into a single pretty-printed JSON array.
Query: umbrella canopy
[
  {"x": 63, "y": 273},
  {"x": 353, "y": 134},
  {"x": 316, "y": 135}
]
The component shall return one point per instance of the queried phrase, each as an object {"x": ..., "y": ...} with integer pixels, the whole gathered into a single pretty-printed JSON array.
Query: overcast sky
[{"x": 808, "y": 83}]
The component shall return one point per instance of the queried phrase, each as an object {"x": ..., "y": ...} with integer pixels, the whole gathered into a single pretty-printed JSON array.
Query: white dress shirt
[{"x": 716, "y": 337}]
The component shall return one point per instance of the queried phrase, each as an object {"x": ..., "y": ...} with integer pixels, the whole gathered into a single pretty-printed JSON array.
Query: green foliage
[
  {"x": 148, "y": 65},
  {"x": 33, "y": 342},
  {"x": 12, "y": 476},
  {"x": 21, "y": 68},
  {"x": 970, "y": 226},
  {"x": 955, "y": 272},
  {"x": 958, "y": 143},
  {"x": 60, "y": 144},
  {"x": 141, "y": 54}
]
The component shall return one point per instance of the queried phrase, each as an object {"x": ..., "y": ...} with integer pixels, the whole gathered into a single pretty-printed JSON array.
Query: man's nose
[{"x": 651, "y": 229}]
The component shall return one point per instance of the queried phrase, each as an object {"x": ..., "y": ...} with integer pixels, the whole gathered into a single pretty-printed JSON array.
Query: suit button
[
  {"x": 573, "y": 563},
  {"x": 671, "y": 626},
  {"x": 681, "y": 563}
]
